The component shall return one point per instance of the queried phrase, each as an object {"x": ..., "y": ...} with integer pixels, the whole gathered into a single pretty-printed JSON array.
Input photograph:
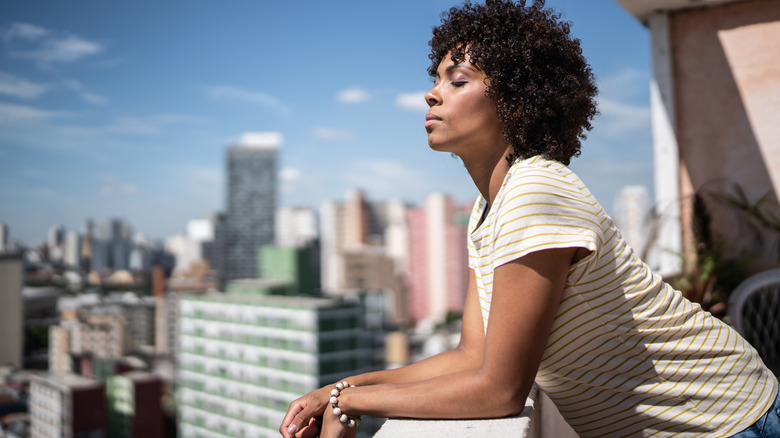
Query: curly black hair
[{"x": 542, "y": 85}]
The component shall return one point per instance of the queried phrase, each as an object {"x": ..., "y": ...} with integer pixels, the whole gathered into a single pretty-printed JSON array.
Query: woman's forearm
[
  {"x": 453, "y": 361},
  {"x": 466, "y": 394}
]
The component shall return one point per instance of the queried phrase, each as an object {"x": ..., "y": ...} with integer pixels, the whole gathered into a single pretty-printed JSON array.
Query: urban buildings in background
[
  {"x": 11, "y": 311},
  {"x": 244, "y": 356},
  {"x": 251, "y": 202},
  {"x": 141, "y": 338},
  {"x": 633, "y": 215},
  {"x": 437, "y": 264}
]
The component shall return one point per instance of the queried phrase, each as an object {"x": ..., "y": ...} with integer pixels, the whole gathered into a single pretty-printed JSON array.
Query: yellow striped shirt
[{"x": 628, "y": 356}]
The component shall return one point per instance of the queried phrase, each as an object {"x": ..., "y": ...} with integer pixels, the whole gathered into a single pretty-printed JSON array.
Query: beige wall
[{"x": 726, "y": 70}]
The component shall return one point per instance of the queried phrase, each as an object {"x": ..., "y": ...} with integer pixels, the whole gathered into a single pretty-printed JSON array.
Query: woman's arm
[
  {"x": 526, "y": 294},
  {"x": 466, "y": 356}
]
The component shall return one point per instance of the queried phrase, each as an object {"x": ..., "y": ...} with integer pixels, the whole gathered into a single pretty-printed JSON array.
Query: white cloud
[
  {"x": 624, "y": 83},
  {"x": 12, "y": 113},
  {"x": 18, "y": 87},
  {"x": 387, "y": 179},
  {"x": 24, "y": 31},
  {"x": 94, "y": 99},
  {"x": 289, "y": 175},
  {"x": 60, "y": 49},
  {"x": 86, "y": 96},
  {"x": 413, "y": 101},
  {"x": 353, "y": 95},
  {"x": 229, "y": 93},
  {"x": 46, "y": 46},
  {"x": 331, "y": 134},
  {"x": 618, "y": 118}
]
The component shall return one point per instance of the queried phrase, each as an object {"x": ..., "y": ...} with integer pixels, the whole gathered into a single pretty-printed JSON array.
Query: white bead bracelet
[{"x": 334, "y": 402}]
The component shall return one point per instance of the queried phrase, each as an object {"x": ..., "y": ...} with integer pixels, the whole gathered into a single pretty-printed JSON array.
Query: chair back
[{"x": 754, "y": 311}]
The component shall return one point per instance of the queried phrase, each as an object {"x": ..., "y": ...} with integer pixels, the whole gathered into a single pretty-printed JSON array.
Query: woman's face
[{"x": 462, "y": 119}]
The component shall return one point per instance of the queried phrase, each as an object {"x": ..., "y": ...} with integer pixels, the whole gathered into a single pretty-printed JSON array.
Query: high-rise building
[
  {"x": 55, "y": 243},
  {"x": 299, "y": 267},
  {"x": 134, "y": 408},
  {"x": 72, "y": 254},
  {"x": 4, "y": 237},
  {"x": 251, "y": 202},
  {"x": 67, "y": 406},
  {"x": 364, "y": 246},
  {"x": 111, "y": 245},
  {"x": 244, "y": 357},
  {"x": 632, "y": 207},
  {"x": 11, "y": 311},
  {"x": 60, "y": 360},
  {"x": 196, "y": 245},
  {"x": 437, "y": 274},
  {"x": 296, "y": 227}
]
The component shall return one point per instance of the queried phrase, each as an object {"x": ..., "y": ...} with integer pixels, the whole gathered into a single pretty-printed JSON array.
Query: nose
[{"x": 432, "y": 97}]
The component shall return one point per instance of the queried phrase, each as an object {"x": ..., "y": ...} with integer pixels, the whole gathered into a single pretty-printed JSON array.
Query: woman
[{"x": 555, "y": 294}]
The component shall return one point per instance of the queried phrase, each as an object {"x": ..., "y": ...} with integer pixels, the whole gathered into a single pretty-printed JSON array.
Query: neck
[{"x": 488, "y": 172}]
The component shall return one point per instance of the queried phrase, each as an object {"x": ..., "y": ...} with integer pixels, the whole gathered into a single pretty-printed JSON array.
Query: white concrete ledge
[{"x": 539, "y": 419}]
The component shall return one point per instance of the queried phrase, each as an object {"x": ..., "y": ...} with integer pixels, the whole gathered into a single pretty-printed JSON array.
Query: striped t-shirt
[{"x": 628, "y": 355}]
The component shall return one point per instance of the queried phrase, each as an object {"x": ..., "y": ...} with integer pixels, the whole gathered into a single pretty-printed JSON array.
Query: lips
[{"x": 431, "y": 119}]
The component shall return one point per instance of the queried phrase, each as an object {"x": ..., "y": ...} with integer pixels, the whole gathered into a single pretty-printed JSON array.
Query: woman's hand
[
  {"x": 333, "y": 428},
  {"x": 304, "y": 414}
]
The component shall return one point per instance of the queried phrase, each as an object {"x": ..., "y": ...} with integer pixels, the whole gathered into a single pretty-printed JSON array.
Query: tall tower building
[
  {"x": 244, "y": 357},
  {"x": 12, "y": 311},
  {"x": 437, "y": 276},
  {"x": 632, "y": 206},
  {"x": 72, "y": 256},
  {"x": 364, "y": 247},
  {"x": 251, "y": 202},
  {"x": 67, "y": 406},
  {"x": 55, "y": 243},
  {"x": 3, "y": 238},
  {"x": 296, "y": 227}
]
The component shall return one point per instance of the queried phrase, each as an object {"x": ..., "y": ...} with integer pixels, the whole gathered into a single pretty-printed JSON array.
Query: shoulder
[{"x": 537, "y": 181}]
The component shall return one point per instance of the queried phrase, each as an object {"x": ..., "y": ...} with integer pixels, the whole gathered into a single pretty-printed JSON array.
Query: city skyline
[{"x": 126, "y": 110}]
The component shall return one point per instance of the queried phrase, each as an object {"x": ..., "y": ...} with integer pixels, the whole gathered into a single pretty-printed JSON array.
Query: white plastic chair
[{"x": 754, "y": 311}]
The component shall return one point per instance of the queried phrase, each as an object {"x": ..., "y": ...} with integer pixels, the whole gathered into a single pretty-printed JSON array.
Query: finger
[
  {"x": 299, "y": 421},
  {"x": 295, "y": 408},
  {"x": 312, "y": 430}
]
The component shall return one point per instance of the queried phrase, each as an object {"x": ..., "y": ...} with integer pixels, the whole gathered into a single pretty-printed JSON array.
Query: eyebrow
[{"x": 455, "y": 67}]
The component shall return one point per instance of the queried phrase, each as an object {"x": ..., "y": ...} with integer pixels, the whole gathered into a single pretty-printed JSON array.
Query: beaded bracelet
[{"x": 334, "y": 402}]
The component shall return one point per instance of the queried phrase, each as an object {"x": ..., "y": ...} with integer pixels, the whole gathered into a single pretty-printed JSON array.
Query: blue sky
[{"x": 124, "y": 109}]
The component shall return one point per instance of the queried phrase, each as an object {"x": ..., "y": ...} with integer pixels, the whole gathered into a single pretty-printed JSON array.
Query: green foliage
[{"x": 710, "y": 279}]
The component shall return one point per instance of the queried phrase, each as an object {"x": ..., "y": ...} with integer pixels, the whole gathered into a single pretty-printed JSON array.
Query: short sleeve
[
  {"x": 544, "y": 208},
  {"x": 476, "y": 214}
]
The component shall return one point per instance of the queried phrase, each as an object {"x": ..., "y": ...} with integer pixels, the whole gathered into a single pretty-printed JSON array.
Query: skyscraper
[
  {"x": 12, "y": 310},
  {"x": 251, "y": 202},
  {"x": 243, "y": 358},
  {"x": 3, "y": 237},
  {"x": 632, "y": 206},
  {"x": 437, "y": 271},
  {"x": 364, "y": 246}
]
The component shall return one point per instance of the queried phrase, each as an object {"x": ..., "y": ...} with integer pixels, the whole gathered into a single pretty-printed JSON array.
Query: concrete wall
[{"x": 726, "y": 71}]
